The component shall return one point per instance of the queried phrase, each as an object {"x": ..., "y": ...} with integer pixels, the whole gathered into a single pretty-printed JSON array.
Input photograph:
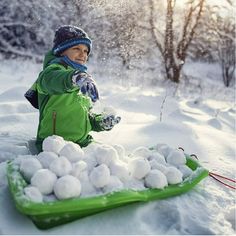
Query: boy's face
[{"x": 78, "y": 53}]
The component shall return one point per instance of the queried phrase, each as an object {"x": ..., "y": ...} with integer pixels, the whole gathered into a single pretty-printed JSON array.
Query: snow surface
[{"x": 200, "y": 119}]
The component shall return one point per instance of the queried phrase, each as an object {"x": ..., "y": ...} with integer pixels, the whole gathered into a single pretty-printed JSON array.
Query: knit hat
[{"x": 68, "y": 36}]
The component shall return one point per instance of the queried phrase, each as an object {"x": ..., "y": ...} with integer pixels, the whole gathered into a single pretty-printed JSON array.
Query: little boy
[{"x": 65, "y": 91}]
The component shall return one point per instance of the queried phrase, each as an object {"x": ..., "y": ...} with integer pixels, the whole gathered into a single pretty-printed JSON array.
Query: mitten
[
  {"x": 109, "y": 121},
  {"x": 86, "y": 84}
]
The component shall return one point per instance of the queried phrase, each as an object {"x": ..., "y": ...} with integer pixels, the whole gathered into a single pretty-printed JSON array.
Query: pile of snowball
[{"x": 64, "y": 170}]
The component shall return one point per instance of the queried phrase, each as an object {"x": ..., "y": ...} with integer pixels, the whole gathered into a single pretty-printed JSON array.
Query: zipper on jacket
[{"x": 54, "y": 118}]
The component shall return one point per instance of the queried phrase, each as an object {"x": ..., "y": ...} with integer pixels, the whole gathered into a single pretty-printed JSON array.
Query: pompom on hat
[{"x": 68, "y": 36}]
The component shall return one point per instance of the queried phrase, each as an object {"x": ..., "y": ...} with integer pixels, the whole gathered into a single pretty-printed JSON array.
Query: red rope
[{"x": 214, "y": 176}]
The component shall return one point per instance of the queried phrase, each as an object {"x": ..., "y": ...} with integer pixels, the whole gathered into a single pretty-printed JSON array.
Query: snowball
[
  {"x": 176, "y": 158},
  {"x": 46, "y": 158},
  {"x": 49, "y": 198},
  {"x": 173, "y": 175},
  {"x": 109, "y": 110},
  {"x": 87, "y": 188},
  {"x": 67, "y": 187},
  {"x": 159, "y": 145},
  {"x": 114, "y": 185},
  {"x": 78, "y": 168},
  {"x": 91, "y": 161},
  {"x": 120, "y": 150},
  {"x": 156, "y": 179},
  {"x": 72, "y": 151},
  {"x": 20, "y": 158},
  {"x": 134, "y": 184},
  {"x": 139, "y": 167},
  {"x": 185, "y": 170},
  {"x": 90, "y": 148},
  {"x": 28, "y": 167},
  {"x": 155, "y": 165},
  {"x": 158, "y": 158},
  {"x": 33, "y": 194},
  {"x": 142, "y": 152},
  {"x": 164, "y": 150},
  {"x": 120, "y": 170},
  {"x": 100, "y": 176},
  {"x": 61, "y": 166},
  {"x": 53, "y": 143},
  {"x": 44, "y": 180},
  {"x": 106, "y": 154}
]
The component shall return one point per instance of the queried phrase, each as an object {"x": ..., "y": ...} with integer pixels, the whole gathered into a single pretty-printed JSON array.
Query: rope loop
[{"x": 217, "y": 177}]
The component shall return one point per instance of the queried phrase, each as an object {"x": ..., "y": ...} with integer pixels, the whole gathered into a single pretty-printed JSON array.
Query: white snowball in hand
[
  {"x": 53, "y": 143},
  {"x": 156, "y": 179},
  {"x": 109, "y": 110},
  {"x": 174, "y": 176},
  {"x": 28, "y": 167},
  {"x": 33, "y": 194},
  {"x": 46, "y": 158},
  {"x": 44, "y": 180},
  {"x": 100, "y": 176},
  {"x": 139, "y": 167},
  {"x": 67, "y": 187},
  {"x": 72, "y": 151},
  {"x": 106, "y": 154},
  {"x": 61, "y": 166},
  {"x": 176, "y": 158}
]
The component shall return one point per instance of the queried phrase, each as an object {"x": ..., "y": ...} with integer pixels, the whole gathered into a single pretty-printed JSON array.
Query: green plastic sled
[{"x": 49, "y": 214}]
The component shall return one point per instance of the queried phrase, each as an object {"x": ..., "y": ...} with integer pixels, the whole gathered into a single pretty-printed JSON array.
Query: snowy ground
[{"x": 198, "y": 115}]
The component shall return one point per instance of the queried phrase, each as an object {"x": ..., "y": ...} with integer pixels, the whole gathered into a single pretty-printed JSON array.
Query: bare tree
[
  {"x": 225, "y": 30},
  {"x": 216, "y": 37},
  {"x": 27, "y": 27},
  {"x": 173, "y": 47}
]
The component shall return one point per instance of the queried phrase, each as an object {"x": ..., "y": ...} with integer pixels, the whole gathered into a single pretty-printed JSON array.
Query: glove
[
  {"x": 86, "y": 84},
  {"x": 108, "y": 122}
]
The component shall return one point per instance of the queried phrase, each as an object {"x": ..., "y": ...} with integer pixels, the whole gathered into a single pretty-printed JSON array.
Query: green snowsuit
[{"x": 64, "y": 110}]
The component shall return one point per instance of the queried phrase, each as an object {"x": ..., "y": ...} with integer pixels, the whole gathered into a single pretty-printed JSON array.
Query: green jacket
[{"x": 63, "y": 109}]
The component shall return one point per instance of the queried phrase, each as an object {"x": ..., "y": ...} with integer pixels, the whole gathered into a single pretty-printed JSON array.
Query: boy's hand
[
  {"x": 86, "y": 84},
  {"x": 108, "y": 122}
]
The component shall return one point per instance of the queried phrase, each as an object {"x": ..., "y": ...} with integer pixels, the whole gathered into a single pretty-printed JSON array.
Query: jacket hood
[{"x": 48, "y": 58}]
